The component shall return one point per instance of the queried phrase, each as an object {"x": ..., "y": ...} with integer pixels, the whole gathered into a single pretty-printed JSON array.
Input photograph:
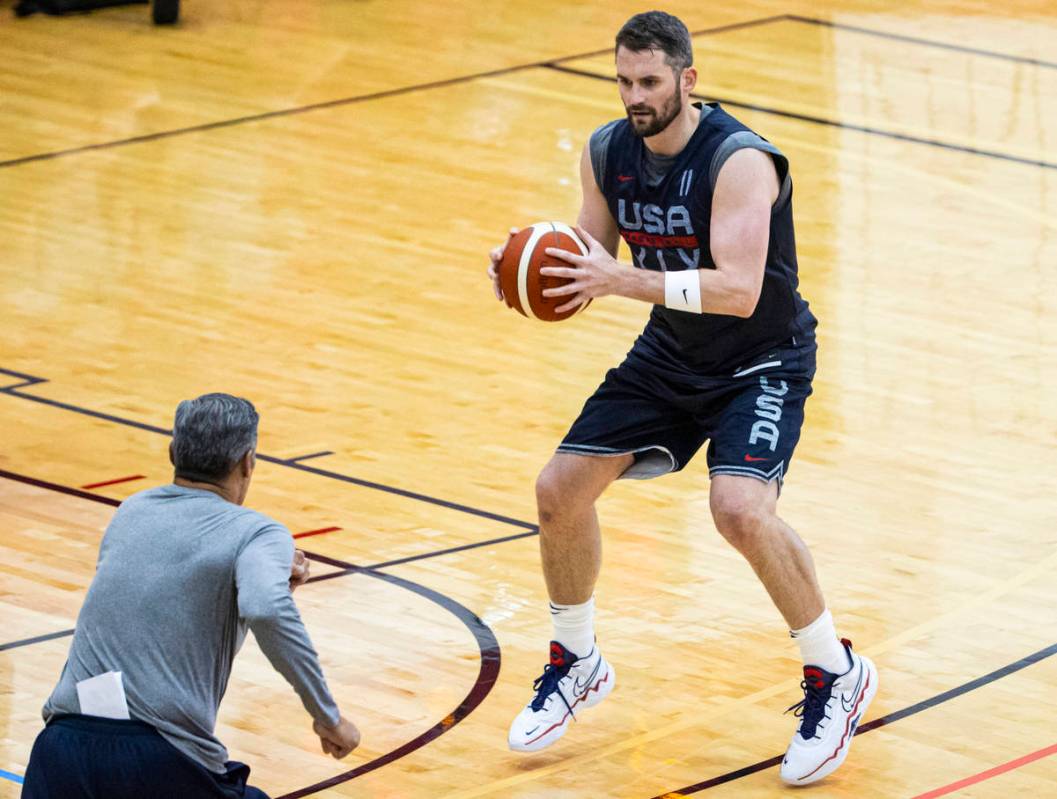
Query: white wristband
[{"x": 682, "y": 291}]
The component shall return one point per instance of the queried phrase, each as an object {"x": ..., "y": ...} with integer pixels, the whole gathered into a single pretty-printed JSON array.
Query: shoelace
[
  {"x": 812, "y": 708},
  {"x": 547, "y": 684}
]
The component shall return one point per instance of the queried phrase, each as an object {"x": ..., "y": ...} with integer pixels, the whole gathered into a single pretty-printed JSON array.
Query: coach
[{"x": 183, "y": 571}]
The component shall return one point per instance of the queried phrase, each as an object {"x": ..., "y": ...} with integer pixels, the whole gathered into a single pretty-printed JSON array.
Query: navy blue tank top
[{"x": 666, "y": 226}]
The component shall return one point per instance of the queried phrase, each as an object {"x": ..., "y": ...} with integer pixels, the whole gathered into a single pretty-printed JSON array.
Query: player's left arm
[{"x": 746, "y": 189}]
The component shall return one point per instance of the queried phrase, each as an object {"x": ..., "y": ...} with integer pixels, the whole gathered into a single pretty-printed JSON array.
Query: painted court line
[
  {"x": 35, "y": 640},
  {"x": 320, "y": 531},
  {"x": 224, "y": 123},
  {"x": 27, "y": 380},
  {"x": 902, "y": 37},
  {"x": 891, "y": 718},
  {"x": 306, "y": 457},
  {"x": 834, "y": 123},
  {"x": 487, "y": 644},
  {"x": 12, "y": 391},
  {"x": 992, "y": 772},
  {"x": 346, "y": 568},
  {"x": 128, "y": 479}
]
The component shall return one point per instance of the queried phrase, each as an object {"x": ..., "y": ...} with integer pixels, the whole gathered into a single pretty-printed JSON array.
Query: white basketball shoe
[
  {"x": 829, "y": 713},
  {"x": 568, "y": 684}
]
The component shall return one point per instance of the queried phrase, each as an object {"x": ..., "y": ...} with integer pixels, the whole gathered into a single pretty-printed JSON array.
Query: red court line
[
  {"x": 115, "y": 482},
  {"x": 992, "y": 772},
  {"x": 317, "y": 532}
]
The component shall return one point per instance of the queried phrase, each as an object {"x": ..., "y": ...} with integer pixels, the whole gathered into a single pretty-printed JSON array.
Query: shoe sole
[
  {"x": 591, "y": 697},
  {"x": 841, "y": 752}
]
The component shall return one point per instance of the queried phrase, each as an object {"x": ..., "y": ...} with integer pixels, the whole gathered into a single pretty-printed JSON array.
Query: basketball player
[
  {"x": 727, "y": 356},
  {"x": 184, "y": 571}
]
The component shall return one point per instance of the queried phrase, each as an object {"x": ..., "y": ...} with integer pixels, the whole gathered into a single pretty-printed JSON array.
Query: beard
[{"x": 656, "y": 121}]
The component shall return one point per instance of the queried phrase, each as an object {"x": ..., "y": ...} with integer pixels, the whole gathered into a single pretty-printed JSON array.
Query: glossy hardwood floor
[{"x": 292, "y": 201}]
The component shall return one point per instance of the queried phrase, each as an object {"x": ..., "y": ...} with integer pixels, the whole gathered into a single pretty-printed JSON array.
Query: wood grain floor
[{"x": 293, "y": 201}]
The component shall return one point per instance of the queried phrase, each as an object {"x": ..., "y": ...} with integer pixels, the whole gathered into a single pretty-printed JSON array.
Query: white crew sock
[
  {"x": 574, "y": 626},
  {"x": 820, "y": 647}
]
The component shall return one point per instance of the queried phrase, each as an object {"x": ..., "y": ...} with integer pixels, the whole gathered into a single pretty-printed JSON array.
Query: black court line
[
  {"x": 400, "y": 492},
  {"x": 13, "y": 391},
  {"x": 61, "y": 489},
  {"x": 313, "y": 455},
  {"x": 891, "y": 718},
  {"x": 487, "y": 644},
  {"x": 486, "y": 678},
  {"x": 461, "y": 548},
  {"x": 888, "y": 134},
  {"x": 412, "y": 558},
  {"x": 361, "y": 98},
  {"x": 35, "y": 640},
  {"x": 901, "y": 37},
  {"x": 27, "y": 380}
]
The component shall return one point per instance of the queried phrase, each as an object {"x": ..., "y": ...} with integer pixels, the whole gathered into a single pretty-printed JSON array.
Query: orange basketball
[{"x": 519, "y": 271}]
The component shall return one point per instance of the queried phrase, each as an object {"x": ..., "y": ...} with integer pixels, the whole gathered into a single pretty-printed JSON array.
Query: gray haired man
[{"x": 183, "y": 571}]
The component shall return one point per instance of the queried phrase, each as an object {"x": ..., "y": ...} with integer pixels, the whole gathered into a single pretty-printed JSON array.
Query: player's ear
[
  {"x": 172, "y": 459},
  {"x": 689, "y": 79}
]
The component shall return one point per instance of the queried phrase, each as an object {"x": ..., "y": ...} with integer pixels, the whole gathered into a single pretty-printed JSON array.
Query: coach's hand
[
  {"x": 299, "y": 570},
  {"x": 337, "y": 741},
  {"x": 496, "y": 255},
  {"x": 593, "y": 275}
]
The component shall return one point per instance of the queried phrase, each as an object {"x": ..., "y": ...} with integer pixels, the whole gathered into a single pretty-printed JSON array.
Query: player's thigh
[
  {"x": 758, "y": 428},
  {"x": 634, "y": 412}
]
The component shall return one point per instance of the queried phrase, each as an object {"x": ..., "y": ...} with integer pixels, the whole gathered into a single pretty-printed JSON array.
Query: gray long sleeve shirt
[{"x": 181, "y": 575}]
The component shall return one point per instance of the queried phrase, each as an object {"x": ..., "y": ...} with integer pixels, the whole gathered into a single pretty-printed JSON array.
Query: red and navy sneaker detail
[
  {"x": 830, "y": 712},
  {"x": 569, "y": 683}
]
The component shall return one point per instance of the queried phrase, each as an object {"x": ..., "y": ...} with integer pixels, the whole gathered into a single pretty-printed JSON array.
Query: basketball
[{"x": 519, "y": 270}]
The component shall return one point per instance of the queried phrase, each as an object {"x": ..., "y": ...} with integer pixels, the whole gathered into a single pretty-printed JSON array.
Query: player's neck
[{"x": 673, "y": 138}]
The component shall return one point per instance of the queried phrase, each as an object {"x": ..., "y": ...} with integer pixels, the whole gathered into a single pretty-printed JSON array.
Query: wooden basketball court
[{"x": 292, "y": 201}]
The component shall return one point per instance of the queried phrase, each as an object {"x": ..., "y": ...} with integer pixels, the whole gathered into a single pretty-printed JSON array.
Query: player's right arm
[{"x": 594, "y": 211}]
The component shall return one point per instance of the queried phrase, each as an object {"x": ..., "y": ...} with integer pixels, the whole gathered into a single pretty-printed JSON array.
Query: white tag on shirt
[{"x": 103, "y": 696}]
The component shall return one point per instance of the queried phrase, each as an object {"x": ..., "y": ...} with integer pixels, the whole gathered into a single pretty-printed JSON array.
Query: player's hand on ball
[
  {"x": 496, "y": 255},
  {"x": 593, "y": 275},
  {"x": 299, "y": 570},
  {"x": 337, "y": 741}
]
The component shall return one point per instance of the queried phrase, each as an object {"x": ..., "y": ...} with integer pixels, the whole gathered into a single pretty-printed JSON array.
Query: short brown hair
[{"x": 656, "y": 30}]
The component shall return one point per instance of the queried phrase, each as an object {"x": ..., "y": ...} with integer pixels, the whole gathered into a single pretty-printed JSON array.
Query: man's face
[{"x": 648, "y": 87}]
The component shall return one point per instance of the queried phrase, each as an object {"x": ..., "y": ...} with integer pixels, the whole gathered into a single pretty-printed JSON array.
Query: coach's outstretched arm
[
  {"x": 746, "y": 189},
  {"x": 262, "y": 575}
]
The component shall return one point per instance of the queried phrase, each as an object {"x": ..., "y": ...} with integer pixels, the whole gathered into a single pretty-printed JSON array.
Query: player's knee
[
  {"x": 557, "y": 496},
  {"x": 550, "y": 496},
  {"x": 739, "y": 520}
]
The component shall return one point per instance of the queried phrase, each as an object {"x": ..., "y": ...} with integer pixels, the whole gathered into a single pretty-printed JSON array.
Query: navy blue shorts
[
  {"x": 87, "y": 757},
  {"x": 751, "y": 417}
]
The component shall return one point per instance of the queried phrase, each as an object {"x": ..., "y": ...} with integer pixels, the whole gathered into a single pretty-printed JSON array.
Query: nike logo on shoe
[
  {"x": 625, "y": 178},
  {"x": 581, "y": 686},
  {"x": 750, "y": 459},
  {"x": 849, "y": 706}
]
